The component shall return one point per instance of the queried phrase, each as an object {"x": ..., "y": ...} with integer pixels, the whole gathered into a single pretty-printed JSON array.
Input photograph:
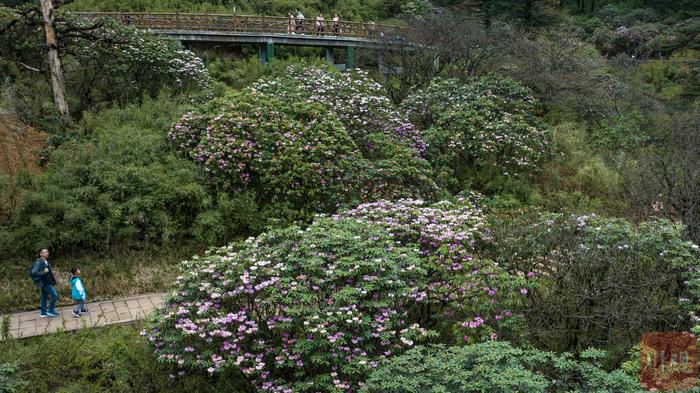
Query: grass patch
[
  {"x": 109, "y": 359},
  {"x": 104, "y": 278}
]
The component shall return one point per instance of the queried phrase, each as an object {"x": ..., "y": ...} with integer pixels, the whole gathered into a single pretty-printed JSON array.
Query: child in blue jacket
[{"x": 77, "y": 292}]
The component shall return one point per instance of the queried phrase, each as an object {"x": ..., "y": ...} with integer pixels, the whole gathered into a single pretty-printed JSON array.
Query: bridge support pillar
[
  {"x": 382, "y": 65},
  {"x": 330, "y": 56},
  {"x": 266, "y": 52},
  {"x": 349, "y": 58},
  {"x": 270, "y": 51},
  {"x": 261, "y": 54}
]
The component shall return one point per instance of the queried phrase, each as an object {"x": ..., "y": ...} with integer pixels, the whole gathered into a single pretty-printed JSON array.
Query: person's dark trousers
[
  {"x": 79, "y": 306},
  {"x": 46, "y": 291}
]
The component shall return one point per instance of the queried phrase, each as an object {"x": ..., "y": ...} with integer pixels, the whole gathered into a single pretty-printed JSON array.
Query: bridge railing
[{"x": 249, "y": 23}]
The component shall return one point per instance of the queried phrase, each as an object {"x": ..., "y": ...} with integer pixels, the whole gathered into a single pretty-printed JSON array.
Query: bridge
[{"x": 264, "y": 31}]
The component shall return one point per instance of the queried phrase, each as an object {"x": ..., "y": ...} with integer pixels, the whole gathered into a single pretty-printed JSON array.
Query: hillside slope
[{"x": 20, "y": 147}]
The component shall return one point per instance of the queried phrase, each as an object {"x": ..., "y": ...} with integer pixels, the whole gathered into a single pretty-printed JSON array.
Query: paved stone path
[{"x": 108, "y": 312}]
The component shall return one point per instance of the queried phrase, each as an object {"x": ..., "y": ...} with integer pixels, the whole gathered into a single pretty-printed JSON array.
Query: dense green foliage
[
  {"x": 652, "y": 31},
  {"x": 347, "y": 9},
  {"x": 102, "y": 190},
  {"x": 496, "y": 367},
  {"x": 9, "y": 383},
  {"x": 109, "y": 359},
  {"x": 489, "y": 125},
  {"x": 640, "y": 278}
]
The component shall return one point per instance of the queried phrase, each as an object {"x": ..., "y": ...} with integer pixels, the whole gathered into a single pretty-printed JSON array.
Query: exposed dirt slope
[{"x": 20, "y": 147}]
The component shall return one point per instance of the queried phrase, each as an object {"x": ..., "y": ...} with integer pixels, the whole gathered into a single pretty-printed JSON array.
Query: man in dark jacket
[{"x": 43, "y": 278}]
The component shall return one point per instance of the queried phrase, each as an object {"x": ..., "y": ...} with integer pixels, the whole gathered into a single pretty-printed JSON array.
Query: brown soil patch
[{"x": 20, "y": 147}]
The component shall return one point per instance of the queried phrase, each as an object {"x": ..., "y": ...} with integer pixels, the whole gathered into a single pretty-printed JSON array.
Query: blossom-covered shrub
[
  {"x": 134, "y": 50},
  {"x": 308, "y": 310},
  {"x": 360, "y": 103},
  {"x": 496, "y": 367},
  {"x": 388, "y": 170},
  {"x": 639, "y": 40},
  {"x": 603, "y": 281},
  {"x": 318, "y": 309},
  {"x": 487, "y": 125},
  {"x": 302, "y": 155},
  {"x": 291, "y": 155},
  {"x": 425, "y": 106},
  {"x": 469, "y": 298}
]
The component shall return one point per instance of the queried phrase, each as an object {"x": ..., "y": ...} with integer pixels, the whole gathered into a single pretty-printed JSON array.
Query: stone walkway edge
[{"x": 103, "y": 313}]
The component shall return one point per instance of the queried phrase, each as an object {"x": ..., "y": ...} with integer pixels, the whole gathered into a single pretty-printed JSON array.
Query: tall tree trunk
[
  {"x": 561, "y": 3},
  {"x": 592, "y": 5},
  {"x": 58, "y": 83}
]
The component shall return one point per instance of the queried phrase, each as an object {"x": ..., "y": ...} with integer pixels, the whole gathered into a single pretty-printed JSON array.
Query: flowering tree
[
  {"x": 360, "y": 103},
  {"x": 121, "y": 62},
  {"x": 488, "y": 124},
  {"x": 103, "y": 60},
  {"x": 301, "y": 155},
  {"x": 290, "y": 155},
  {"x": 317, "y": 309}
]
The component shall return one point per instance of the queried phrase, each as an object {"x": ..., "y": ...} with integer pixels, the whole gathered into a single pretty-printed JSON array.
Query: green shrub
[
  {"x": 480, "y": 131},
  {"x": 242, "y": 73},
  {"x": 118, "y": 183},
  {"x": 9, "y": 383},
  {"x": 603, "y": 281},
  {"x": 620, "y": 133},
  {"x": 108, "y": 359},
  {"x": 348, "y": 9},
  {"x": 495, "y": 367}
]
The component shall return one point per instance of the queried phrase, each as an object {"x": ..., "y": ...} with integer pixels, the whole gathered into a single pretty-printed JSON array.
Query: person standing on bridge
[
  {"x": 336, "y": 24},
  {"x": 300, "y": 22},
  {"x": 371, "y": 28},
  {"x": 320, "y": 24},
  {"x": 43, "y": 278},
  {"x": 291, "y": 24}
]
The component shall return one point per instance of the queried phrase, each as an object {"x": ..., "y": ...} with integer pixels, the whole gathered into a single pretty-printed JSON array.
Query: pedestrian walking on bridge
[
  {"x": 291, "y": 24},
  {"x": 300, "y": 22},
  {"x": 320, "y": 24},
  {"x": 336, "y": 24}
]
